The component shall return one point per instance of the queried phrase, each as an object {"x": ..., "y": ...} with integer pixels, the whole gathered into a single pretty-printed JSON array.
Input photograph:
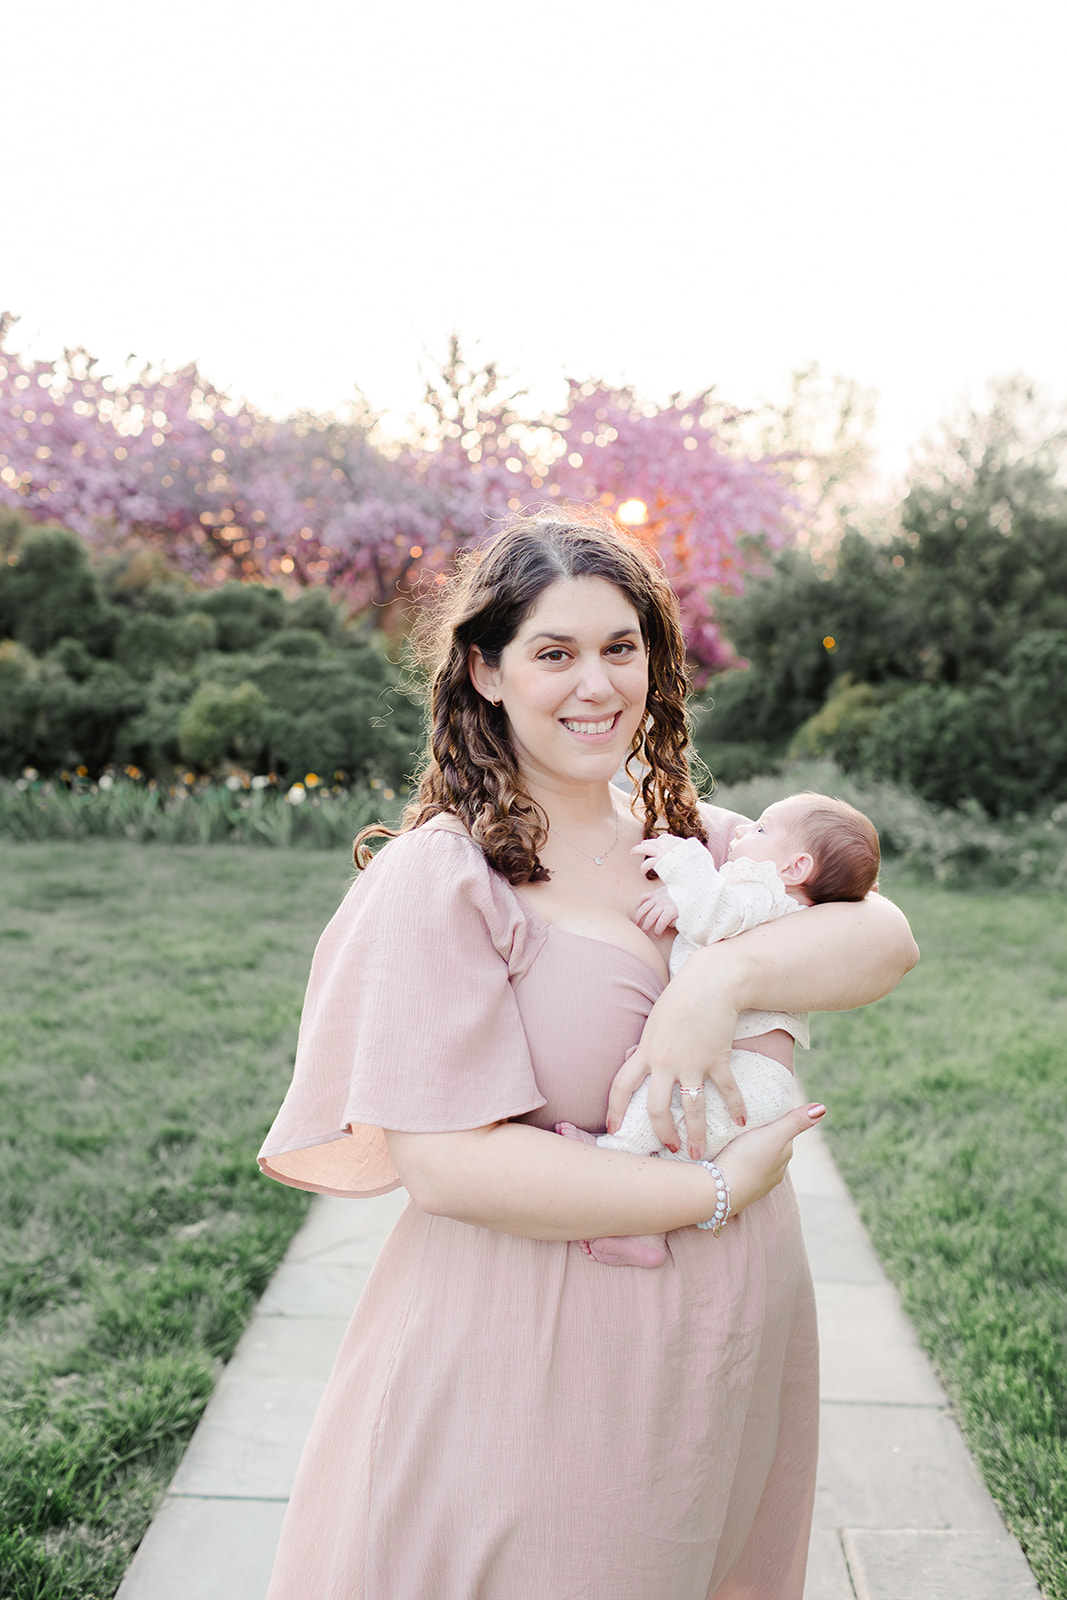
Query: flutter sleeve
[{"x": 409, "y": 1022}]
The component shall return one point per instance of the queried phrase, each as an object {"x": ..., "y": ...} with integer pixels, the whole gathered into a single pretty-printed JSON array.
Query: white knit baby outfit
[{"x": 717, "y": 903}]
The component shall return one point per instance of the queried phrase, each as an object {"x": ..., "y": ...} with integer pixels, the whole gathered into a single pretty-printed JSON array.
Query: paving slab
[
  {"x": 274, "y": 1346},
  {"x": 249, "y": 1440},
  {"x": 828, "y": 1575},
  {"x": 206, "y": 1550},
  {"x": 898, "y": 1467},
  {"x": 838, "y": 1248},
  {"x": 335, "y": 1228},
  {"x": 868, "y": 1351},
  {"x": 813, "y": 1169},
  {"x": 904, "y": 1564},
  {"x": 324, "y": 1288}
]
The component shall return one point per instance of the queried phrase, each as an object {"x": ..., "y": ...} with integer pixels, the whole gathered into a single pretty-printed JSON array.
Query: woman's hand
[
  {"x": 687, "y": 1039},
  {"x": 756, "y": 1162}
]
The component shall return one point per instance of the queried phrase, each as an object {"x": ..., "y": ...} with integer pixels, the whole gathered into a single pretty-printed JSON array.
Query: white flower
[{"x": 296, "y": 795}]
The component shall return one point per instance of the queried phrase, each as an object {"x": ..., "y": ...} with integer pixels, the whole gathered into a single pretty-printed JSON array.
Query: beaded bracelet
[{"x": 722, "y": 1200}]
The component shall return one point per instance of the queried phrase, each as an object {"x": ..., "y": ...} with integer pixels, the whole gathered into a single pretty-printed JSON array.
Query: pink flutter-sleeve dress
[{"x": 508, "y": 1420}]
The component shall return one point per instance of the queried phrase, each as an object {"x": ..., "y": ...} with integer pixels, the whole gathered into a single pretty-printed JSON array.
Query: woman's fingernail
[
  {"x": 740, "y": 1121},
  {"x": 815, "y": 1112},
  {"x": 673, "y": 1148},
  {"x": 611, "y": 1126}
]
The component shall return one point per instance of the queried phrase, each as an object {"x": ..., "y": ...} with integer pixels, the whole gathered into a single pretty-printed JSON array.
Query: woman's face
[{"x": 573, "y": 683}]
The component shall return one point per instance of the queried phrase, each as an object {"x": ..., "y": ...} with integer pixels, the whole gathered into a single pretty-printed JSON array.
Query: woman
[{"x": 508, "y": 1420}]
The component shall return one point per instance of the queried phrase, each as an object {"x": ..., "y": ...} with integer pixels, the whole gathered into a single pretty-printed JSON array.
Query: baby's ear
[{"x": 798, "y": 869}]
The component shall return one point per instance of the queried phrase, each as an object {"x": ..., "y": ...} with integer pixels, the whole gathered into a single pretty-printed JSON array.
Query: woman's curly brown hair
[{"x": 470, "y": 769}]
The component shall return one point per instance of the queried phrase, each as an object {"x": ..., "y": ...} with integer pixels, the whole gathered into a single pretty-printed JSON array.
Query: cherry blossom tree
[{"x": 225, "y": 492}]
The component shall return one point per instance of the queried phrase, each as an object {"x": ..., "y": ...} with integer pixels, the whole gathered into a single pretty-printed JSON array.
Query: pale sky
[{"x": 306, "y": 197}]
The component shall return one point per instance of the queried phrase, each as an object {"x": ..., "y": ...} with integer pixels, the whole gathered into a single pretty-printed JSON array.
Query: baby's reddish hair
[{"x": 843, "y": 844}]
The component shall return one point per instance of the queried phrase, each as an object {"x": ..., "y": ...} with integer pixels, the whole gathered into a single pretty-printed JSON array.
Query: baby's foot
[
  {"x": 642, "y": 1250},
  {"x": 569, "y": 1131}
]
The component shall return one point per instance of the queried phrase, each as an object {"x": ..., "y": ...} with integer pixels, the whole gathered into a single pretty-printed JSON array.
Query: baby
[{"x": 800, "y": 852}]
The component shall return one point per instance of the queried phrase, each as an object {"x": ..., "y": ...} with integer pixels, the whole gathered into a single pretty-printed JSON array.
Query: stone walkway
[{"x": 900, "y": 1513}]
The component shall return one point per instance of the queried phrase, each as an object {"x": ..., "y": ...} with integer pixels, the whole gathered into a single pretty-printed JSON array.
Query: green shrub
[
  {"x": 72, "y": 658},
  {"x": 51, "y": 592},
  {"x": 149, "y": 740},
  {"x": 313, "y": 608},
  {"x": 222, "y": 723},
  {"x": 51, "y": 721},
  {"x": 149, "y": 640},
  {"x": 17, "y": 666},
  {"x": 336, "y": 711},
  {"x": 936, "y": 740},
  {"x": 1001, "y": 743},
  {"x": 245, "y": 614},
  {"x": 732, "y": 761},
  {"x": 292, "y": 643},
  {"x": 841, "y": 726},
  {"x": 131, "y": 665}
]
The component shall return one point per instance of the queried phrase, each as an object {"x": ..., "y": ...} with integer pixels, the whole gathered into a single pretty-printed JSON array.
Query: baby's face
[{"x": 772, "y": 837}]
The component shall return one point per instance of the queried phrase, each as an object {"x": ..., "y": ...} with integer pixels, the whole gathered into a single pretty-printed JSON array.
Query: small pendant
[{"x": 598, "y": 861}]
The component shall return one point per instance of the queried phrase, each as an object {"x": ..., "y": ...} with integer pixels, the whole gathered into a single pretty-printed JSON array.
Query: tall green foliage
[
  {"x": 129, "y": 665},
  {"x": 937, "y": 658}
]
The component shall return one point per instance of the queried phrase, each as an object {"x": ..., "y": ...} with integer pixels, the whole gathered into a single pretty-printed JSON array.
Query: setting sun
[{"x": 633, "y": 513}]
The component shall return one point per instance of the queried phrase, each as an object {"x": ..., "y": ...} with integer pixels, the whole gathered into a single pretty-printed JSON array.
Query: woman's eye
[
  {"x": 624, "y": 648},
  {"x": 553, "y": 655}
]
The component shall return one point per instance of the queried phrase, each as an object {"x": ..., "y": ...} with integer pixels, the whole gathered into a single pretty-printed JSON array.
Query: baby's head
[{"x": 824, "y": 849}]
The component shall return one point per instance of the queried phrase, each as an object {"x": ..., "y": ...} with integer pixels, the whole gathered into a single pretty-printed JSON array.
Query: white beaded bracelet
[{"x": 722, "y": 1200}]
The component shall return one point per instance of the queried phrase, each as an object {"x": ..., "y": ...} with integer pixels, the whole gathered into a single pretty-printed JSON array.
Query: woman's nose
[{"x": 594, "y": 682}]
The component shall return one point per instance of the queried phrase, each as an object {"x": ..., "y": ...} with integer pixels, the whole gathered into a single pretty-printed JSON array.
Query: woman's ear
[{"x": 485, "y": 679}]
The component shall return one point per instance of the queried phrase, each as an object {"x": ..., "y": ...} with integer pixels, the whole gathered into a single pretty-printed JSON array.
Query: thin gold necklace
[{"x": 598, "y": 861}]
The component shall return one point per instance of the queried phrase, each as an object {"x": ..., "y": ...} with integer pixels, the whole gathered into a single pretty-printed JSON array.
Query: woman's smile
[{"x": 591, "y": 729}]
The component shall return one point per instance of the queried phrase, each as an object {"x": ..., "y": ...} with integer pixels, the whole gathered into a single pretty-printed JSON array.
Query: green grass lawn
[
  {"x": 150, "y": 1011},
  {"x": 948, "y": 1113},
  {"x": 151, "y": 999}
]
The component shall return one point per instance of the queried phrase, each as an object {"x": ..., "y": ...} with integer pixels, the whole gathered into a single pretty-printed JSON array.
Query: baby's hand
[
  {"x": 656, "y": 911},
  {"x": 652, "y": 849}
]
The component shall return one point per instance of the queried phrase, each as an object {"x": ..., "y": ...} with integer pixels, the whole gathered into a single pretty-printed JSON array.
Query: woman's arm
[
  {"x": 830, "y": 958},
  {"x": 523, "y": 1180}
]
